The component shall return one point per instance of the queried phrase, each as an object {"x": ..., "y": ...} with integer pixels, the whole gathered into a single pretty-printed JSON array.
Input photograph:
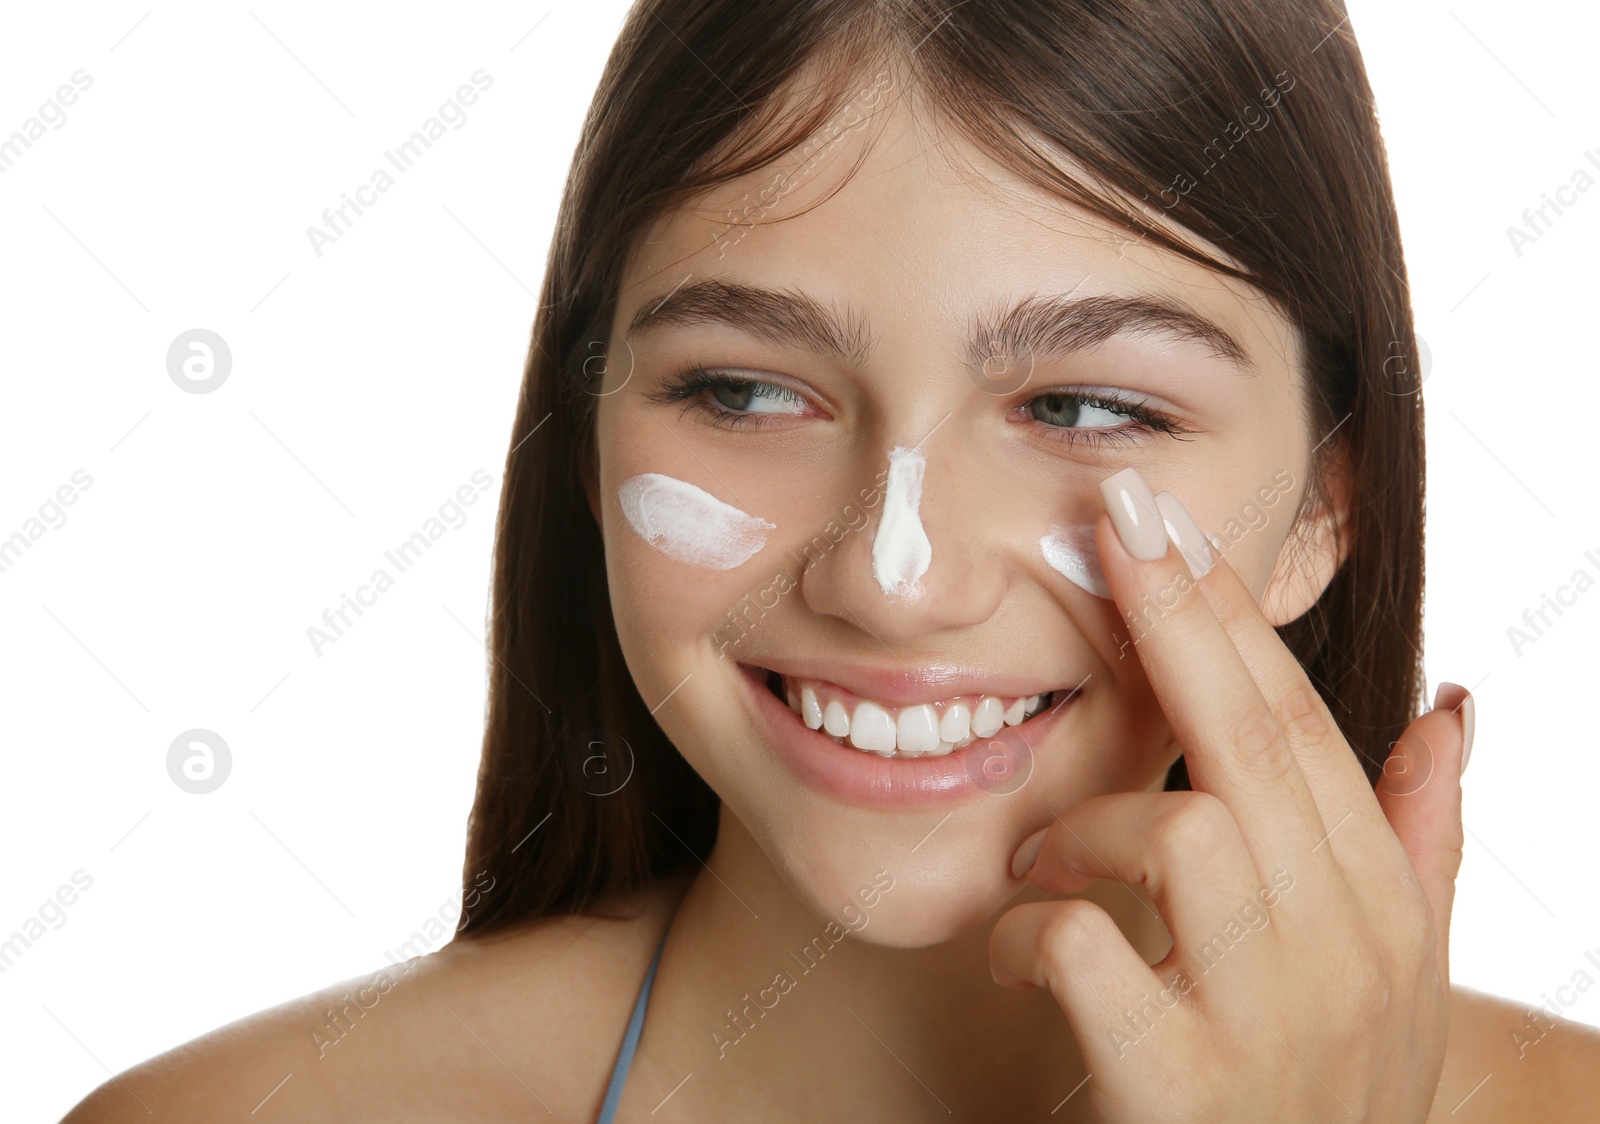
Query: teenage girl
[{"x": 956, "y": 618}]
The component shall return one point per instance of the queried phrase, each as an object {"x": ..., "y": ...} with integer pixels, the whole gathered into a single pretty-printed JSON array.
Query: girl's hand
[{"x": 1309, "y": 975}]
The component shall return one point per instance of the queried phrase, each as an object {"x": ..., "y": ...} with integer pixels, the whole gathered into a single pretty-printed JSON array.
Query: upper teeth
[{"x": 925, "y": 730}]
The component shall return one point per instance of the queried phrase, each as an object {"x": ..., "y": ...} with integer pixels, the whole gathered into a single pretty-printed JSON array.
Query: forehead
[{"x": 915, "y": 233}]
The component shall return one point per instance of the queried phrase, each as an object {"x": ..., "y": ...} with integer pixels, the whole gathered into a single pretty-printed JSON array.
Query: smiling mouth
[{"x": 931, "y": 729}]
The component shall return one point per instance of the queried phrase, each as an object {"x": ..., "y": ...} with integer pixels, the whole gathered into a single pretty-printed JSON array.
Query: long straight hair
[{"x": 1249, "y": 123}]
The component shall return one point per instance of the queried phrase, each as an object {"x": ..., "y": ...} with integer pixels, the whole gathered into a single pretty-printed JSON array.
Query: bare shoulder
[
  {"x": 522, "y": 1020},
  {"x": 1508, "y": 1062}
]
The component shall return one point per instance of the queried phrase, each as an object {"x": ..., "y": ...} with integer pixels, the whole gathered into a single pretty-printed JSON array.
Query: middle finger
[{"x": 1233, "y": 744}]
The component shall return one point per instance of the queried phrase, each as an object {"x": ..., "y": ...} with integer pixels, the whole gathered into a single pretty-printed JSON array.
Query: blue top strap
[{"x": 619, "y": 1072}]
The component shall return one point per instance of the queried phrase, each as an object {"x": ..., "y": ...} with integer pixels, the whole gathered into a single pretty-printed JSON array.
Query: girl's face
[{"x": 925, "y": 374}]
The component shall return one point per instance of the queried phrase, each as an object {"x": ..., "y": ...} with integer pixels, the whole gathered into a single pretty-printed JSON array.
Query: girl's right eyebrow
[
  {"x": 1047, "y": 326},
  {"x": 779, "y": 316}
]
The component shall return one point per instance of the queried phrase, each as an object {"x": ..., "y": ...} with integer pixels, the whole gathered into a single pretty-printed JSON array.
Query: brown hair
[{"x": 1247, "y": 122}]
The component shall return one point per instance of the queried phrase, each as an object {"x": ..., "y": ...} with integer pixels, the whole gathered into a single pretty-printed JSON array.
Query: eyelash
[
  {"x": 1142, "y": 418},
  {"x": 689, "y": 383}
]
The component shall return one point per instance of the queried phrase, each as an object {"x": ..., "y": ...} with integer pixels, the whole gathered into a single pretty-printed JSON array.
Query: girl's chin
[
  {"x": 915, "y": 901},
  {"x": 927, "y": 920}
]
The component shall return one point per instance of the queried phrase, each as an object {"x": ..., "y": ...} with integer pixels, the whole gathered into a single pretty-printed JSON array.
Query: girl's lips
[{"x": 998, "y": 764}]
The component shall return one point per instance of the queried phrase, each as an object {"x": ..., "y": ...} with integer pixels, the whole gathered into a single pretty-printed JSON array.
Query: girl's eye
[
  {"x": 1099, "y": 417},
  {"x": 729, "y": 400},
  {"x": 1074, "y": 412},
  {"x": 756, "y": 397}
]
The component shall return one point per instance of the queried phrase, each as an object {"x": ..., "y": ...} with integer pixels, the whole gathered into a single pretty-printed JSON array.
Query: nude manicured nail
[
  {"x": 1464, "y": 709},
  {"x": 1185, "y": 534},
  {"x": 1027, "y": 854},
  {"x": 1134, "y": 514}
]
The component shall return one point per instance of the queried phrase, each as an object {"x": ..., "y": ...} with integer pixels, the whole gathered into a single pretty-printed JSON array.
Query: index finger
[{"x": 1234, "y": 746}]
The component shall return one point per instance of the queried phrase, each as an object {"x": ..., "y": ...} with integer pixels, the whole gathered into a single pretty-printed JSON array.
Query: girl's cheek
[
  {"x": 1070, "y": 550},
  {"x": 681, "y": 563},
  {"x": 1251, "y": 531},
  {"x": 688, "y": 524}
]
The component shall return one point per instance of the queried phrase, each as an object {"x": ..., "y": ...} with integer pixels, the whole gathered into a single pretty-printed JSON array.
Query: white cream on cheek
[
  {"x": 1070, "y": 551},
  {"x": 689, "y": 524},
  {"x": 901, "y": 552}
]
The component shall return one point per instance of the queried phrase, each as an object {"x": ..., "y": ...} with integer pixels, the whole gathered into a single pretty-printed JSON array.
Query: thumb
[{"x": 1420, "y": 794}]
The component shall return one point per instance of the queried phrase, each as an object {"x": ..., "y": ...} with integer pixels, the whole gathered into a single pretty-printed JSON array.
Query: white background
[{"x": 369, "y": 383}]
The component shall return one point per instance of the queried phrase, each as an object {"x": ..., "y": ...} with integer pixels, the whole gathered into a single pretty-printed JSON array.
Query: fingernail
[
  {"x": 1185, "y": 534},
  {"x": 1457, "y": 698},
  {"x": 1134, "y": 514},
  {"x": 1027, "y": 854}
]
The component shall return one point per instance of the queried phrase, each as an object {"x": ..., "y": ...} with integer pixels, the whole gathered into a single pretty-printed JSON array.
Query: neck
[{"x": 777, "y": 996}]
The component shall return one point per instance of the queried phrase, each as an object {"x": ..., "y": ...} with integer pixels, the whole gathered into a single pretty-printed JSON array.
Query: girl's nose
[{"x": 921, "y": 564}]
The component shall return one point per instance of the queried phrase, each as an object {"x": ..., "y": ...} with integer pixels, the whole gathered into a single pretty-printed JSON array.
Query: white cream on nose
[
  {"x": 901, "y": 552},
  {"x": 690, "y": 524}
]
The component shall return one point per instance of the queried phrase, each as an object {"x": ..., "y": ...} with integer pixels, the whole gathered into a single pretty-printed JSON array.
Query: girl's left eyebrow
[{"x": 1044, "y": 326}]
